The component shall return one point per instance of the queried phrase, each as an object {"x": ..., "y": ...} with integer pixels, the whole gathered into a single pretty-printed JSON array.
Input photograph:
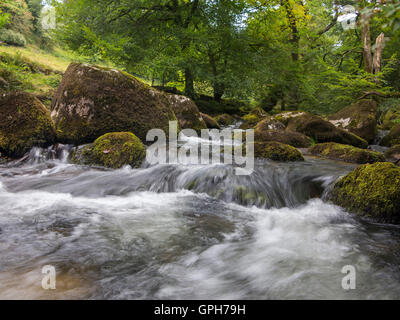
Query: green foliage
[{"x": 12, "y": 38}]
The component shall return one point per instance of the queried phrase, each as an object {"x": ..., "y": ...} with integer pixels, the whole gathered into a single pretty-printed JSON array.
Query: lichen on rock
[
  {"x": 337, "y": 151},
  {"x": 371, "y": 190},
  {"x": 24, "y": 123}
]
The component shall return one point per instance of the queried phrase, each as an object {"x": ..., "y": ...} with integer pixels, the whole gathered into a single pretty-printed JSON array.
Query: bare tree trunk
[
  {"x": 366, "y": 40},
  {"x": 379, "y": 46}
]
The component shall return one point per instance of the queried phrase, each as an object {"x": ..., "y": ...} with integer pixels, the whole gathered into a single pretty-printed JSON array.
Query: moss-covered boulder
[
  {"x": 392, "y": 138},
  {"x": 321, "y": 131},
  {"x": 371, "y": 190},
  {"x": 210, "y": 122},
  {"x": 224, "y": 119},
  {"x": 277, "y": 151},
  {"x": 24, "y": 123},
  {"x": 112, "y": 150},
  {"x": 271, "y": 130},
  {"x": 393, "y": 154},
  {"x": 92, "y": 101},
  {"x": 284, "y": 117},
  {"x": 187, "y": 113},
  {"x": 358, "y": 118},
  {"x": 337, "y": 151},
  {"x": 252, "y": 118}
]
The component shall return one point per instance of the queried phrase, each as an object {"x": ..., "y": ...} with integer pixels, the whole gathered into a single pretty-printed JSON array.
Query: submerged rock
[
  {"x": 358, "y": 118},
  {"x": 371, "y": 190},
  {"x": 112, "y": 150},
  {"x": 392, "y": 138},
  {"x": 346, "y": 153},
  {"x": 24, "y": 123},
  {"x": 92, "y": 101},
  {"x": 277, "y": 151},
  {"x": 210, "y": 122},
  {"x": 393, "y": 154},
  {"x": 187, "y": 113},
  {"x": 321, "y": 130}
]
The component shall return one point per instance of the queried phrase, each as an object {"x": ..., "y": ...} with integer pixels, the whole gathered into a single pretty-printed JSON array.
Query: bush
[{"x": 12, "y": 38}]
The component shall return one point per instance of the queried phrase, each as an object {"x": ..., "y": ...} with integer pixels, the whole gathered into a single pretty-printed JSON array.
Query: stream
[{"x": 186, "y": 232}]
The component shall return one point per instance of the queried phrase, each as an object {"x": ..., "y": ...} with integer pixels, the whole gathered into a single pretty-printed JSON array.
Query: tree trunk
[
  {"x": 189, "y": 83},
  {"x": 219, "y": 89},
  {"x": 379, "y": 45},
  {"x": 366, "y": 41}
]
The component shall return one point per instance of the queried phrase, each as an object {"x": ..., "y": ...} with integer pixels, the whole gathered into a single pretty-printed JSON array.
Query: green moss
[
  {"x": 346, "y": 153},
  {"x": 277, "y": 151},
  {"x": 24, "y": 123},
  {"x": 372, "y": 190}
]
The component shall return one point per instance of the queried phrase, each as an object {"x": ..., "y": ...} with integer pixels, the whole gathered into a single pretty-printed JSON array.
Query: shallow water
[{"x": 192, "y": 232}]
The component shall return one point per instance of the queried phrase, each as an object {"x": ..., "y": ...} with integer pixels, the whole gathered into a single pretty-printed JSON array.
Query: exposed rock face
[
  {"x": 393, "y": 154},
  {"x": 210, "y": 122},
  {"x": 393, "y": 137},
  {"x": 272, "y": 130},
  {"x": 24, "y": 123},
  {"x": 187, "y": 113},
  {"x": 277, "y": 151},
  {"x": 224, "y": 119},
  {"x": 371, "y": 190},
  {"x": 359, "y": 118},
  {"x": 92, "y": 101},
  {"x": 346, "y": 153},
  {"x": 112, "y": 150},
  {"x": 323, "y": 131}
]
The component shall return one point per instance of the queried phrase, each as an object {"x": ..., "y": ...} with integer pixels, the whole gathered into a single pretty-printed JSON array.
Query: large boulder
[
  {"x": 336, "y": 151},
  {"x": 371, "y": 190},
  {"x": 252, "y": 118},
  {"x": 321, "y": 130},
  {"x": 210, "y": 122},
  {"x": 187, "y": 113},
  {"x": 92, "y": 101},
  {"x": 392, "y": 138},
  {"x": 358, "y": 118},
  {"x": 24, "y": 123},
  {"x": 277, "y": 151},
  {"x": 272, "y": 130},
  {"x": 112, "y": 150}
]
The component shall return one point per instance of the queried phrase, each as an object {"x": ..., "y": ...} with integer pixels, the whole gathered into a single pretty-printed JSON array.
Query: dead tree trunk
[{"x": 379, "y": 46}]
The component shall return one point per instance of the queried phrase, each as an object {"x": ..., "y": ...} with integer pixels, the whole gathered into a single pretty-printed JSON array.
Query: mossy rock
[
  {"x": 392, "y": 138},
  {"x": 264, "y": 133},
  {"x": 358, "y": 118},
  {"x": 187, "y": 113},
  {"x": 252, "y": 118},
  {"x": 210, "y": 122},
  {"x": 24, "y": 123},
  {"x": 393, "y": 154},
  {"x": 277, "y": 151},
  {"x": 224, "y": 119},
  {"x": 285, "y": 116},
  {"x": 92, "y": 101},
  {"x": 322, "y": 131},
  {"x": 371, "y": 190},
  {"x": 346, "y": 153},
  {"x": 112, "y": 150}
]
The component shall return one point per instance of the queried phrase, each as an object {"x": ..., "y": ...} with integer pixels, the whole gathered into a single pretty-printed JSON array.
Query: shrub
[{"x": 12, "y": 38}]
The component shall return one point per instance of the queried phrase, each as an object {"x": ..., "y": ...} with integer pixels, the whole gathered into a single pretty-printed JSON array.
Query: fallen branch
[{"x": 380, "y": 94}]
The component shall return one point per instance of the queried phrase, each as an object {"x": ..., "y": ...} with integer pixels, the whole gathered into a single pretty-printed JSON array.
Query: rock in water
[
  {"x": 187, "y": 112},
  {"x": 359, "y": 118},
  {"x": 112, "y": 150},
  {"x": 392, "y": 138},
  {"x": 24, "y": 123},
  {"x": 224, "y": 119},
  {"x": 337, "y": 151},
  {"x": 277, "y": 151},
  {"x": 371, "y": 190},
  {"x": 92, "y": 101},
  {"x": 321, "y": 130},
  {"x": 210, "y": 122}
]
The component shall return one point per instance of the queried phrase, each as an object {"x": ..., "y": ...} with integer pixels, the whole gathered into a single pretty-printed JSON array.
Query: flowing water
[{"x": 186, "y": 232}]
